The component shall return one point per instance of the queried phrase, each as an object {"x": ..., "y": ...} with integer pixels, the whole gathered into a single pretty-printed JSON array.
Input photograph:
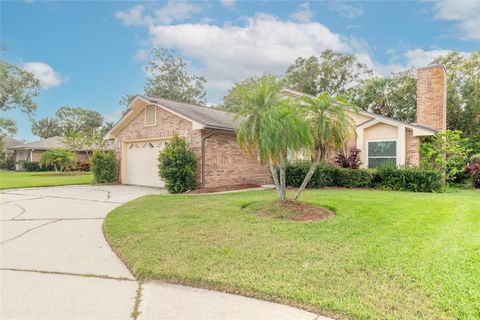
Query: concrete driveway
[{"x": 56, "y": 264}]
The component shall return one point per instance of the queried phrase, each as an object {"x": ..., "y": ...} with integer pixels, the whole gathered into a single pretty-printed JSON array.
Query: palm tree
[
  {"x": 271, "y": 126},
  {"x": 59, "y": 158},
  {"x": 331, "y": 127}
]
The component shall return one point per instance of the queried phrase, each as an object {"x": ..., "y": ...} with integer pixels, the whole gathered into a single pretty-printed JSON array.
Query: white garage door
[{"x": 142, "y": 163}]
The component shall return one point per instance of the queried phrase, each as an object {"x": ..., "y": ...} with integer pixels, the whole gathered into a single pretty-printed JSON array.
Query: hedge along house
[
  {"x": 383, "y": 139},
  {"x": 150, "y": 122}
]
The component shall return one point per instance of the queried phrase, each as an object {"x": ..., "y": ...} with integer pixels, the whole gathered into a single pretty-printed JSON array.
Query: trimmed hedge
[
  {"x": 104, "y": 166},
  {"x": 408, "y": 179},
  {"x": 33, "y": 166},
  {"x": 388, "y": 178}
]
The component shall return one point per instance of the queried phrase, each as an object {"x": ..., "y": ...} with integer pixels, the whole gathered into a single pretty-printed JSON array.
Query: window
[
  {"x": 381, "y": 153},
  {"x": 150, "y": 116}
]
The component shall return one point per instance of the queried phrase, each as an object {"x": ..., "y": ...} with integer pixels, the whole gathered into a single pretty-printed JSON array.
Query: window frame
[
  {"x": 155, "y": 116},
  {"x": 382, "y": 157}
]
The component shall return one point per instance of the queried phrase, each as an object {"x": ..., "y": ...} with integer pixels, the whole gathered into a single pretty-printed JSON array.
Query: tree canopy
[
  {"x": 17, "y": 90},
  {"x": 168, "y": 77}
]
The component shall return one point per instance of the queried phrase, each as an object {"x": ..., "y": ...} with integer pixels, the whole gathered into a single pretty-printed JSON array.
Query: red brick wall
[
  {"x": 226, "y": 163},
  {"x": 412, "y": 149},
  {"x": 432, "y": 97}
]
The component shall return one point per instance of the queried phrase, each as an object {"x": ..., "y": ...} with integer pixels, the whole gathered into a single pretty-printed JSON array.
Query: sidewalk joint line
[{"x": 84, "y": 275}]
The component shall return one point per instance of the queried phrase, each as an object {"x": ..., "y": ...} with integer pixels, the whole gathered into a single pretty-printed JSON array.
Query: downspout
[{"x": 203, "y": 157}]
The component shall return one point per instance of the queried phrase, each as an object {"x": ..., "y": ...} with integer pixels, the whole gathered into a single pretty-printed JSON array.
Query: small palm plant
[
  {"x": 330, "y": 125},
  {"x": 272, "y": 127},
  {"x": 59, "y": 158}
]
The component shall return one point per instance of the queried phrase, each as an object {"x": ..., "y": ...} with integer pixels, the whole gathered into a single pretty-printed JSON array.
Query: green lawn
[
  {"x": 15, "y": 179},
  {"x": 386, "y": 255}
]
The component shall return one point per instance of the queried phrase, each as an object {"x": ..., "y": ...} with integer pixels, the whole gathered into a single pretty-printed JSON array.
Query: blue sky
[{"x": 90, "y": 53}]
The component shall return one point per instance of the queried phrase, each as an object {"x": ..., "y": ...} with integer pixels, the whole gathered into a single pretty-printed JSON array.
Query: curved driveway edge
[{"x": 56, "y": 264}]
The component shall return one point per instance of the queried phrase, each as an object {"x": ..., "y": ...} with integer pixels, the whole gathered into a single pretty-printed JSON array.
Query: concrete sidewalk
[{"x": 56, "y": 264}]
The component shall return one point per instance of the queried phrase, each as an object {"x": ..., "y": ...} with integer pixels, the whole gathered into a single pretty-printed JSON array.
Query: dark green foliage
[
  {"x": 408, "y": 179},
  {"x": 34, "y": 166},
  {"x": 328, "y": 176},
  {"x": 7, "y": 162},
  {"x": 104, "y": 166},
  {"x": 359, "y": 178},
  {"x": 388, "y": 177},
  {"x": 176, "y": 166}
]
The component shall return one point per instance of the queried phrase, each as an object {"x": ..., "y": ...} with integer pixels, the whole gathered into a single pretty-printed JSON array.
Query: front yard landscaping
[
  {"x": 384, "y": 255},
  {"x": 16, "y": 179}
]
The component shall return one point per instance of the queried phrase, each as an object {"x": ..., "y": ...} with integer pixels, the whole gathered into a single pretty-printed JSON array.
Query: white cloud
[
  {"x": 346, "y": 10},
  {"x": 45, "y": 74},
  {"x": 227, "y": 3},
  {"x": 303, "y": 13},
  {"x": 421, "y": 58},
  {"x": 132, "y": 17},
  {"x": 114, "y": 116},
  {"x": 264, "y": 44},
  {"x": 176, "y": 11},
  {"x": 466, "y": 13},
  {"x": 172, "y": 11}
]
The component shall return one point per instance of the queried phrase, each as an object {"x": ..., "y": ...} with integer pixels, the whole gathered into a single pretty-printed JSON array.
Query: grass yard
[
  {"x": 16, "y": 179},
  {"x": 385, "y": 255}
]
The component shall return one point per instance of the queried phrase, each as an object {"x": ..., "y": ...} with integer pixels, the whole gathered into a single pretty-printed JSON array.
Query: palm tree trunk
[
  {"x": 283, "y": 182},
  {"x": 273, "y": 171},
  {"x": 308, "y": 177}
]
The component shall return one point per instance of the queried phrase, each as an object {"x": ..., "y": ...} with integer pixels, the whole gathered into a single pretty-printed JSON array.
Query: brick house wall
[
  {"x": 412, "y": 149},
  {"x": 225, "y": 161}
]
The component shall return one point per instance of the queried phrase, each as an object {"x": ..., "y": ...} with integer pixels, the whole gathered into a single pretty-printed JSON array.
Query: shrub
[
  {"x": 408, "y": 179},
  {"x": 30, "y": 166},
  {"x": 350, "y": 178},
  {"x": 104, "y": 166},
  {"x": 81, "y": 166},
  {"x": 177, "y": 165},
  {"x": 59, "y": 158},
  {"x": 473, "y": 170},
  {"x": 7, "y": 163},
  {"x": 324, "y": 176},
  {"x": 350, "y": 160}
]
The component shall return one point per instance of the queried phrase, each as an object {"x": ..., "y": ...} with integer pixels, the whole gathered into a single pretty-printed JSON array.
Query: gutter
[{"x": 203, "y": 157}]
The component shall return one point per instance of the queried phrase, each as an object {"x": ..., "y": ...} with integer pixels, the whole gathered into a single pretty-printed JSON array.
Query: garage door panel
[{"x": 142, "y": 163}]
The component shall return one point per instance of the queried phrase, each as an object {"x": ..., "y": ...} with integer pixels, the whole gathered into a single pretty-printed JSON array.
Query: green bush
[
  {"x": 8, "y": 163},
  {"x": 104, "y": 166},
  {"x": 408, "y": 179},
  {"x": 33, "y": 166},
  {"x": 177, "y": 165},
  {"x": 354, "y": 178},
  {"x": 388, "y": 178}
]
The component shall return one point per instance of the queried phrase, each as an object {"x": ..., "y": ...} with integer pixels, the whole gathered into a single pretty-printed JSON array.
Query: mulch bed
[
  {"x": 225, "y": 188},
  {"x": 295, "y": 211}
]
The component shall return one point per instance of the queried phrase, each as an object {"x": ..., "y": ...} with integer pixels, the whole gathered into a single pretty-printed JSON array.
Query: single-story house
[
  {"x": 32, "y": 151},
  {"x": 151, "y": 122}
]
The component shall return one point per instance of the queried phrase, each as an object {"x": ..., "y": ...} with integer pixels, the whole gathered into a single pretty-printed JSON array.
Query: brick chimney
[{"x": 432, "y": 97}]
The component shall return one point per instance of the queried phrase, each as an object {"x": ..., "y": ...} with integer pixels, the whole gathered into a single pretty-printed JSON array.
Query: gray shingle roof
[
  {"x": 12, "y": 142},
  {"x": 44, "y": 144},
  {"x": 209, "y": 117}
]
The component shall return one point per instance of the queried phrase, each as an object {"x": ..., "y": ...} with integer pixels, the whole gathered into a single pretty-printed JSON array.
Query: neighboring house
[
  {"x": 151, "y": 122},
  {"x": 32, "y": 151}
]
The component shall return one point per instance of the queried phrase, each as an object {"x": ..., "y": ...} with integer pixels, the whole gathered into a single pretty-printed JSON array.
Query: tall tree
[
  {"x": 46, "y": 128},
  {"x": 330, "y": 126},
  {"x": 169, "y": 78},
  {"x": 17, "y": 90},
  {"x": 331, "y": 72},
  {"x": 393, "y": 97},
  {"x": 270, "y": 128},
  {"x": 78, "y": 119}
]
